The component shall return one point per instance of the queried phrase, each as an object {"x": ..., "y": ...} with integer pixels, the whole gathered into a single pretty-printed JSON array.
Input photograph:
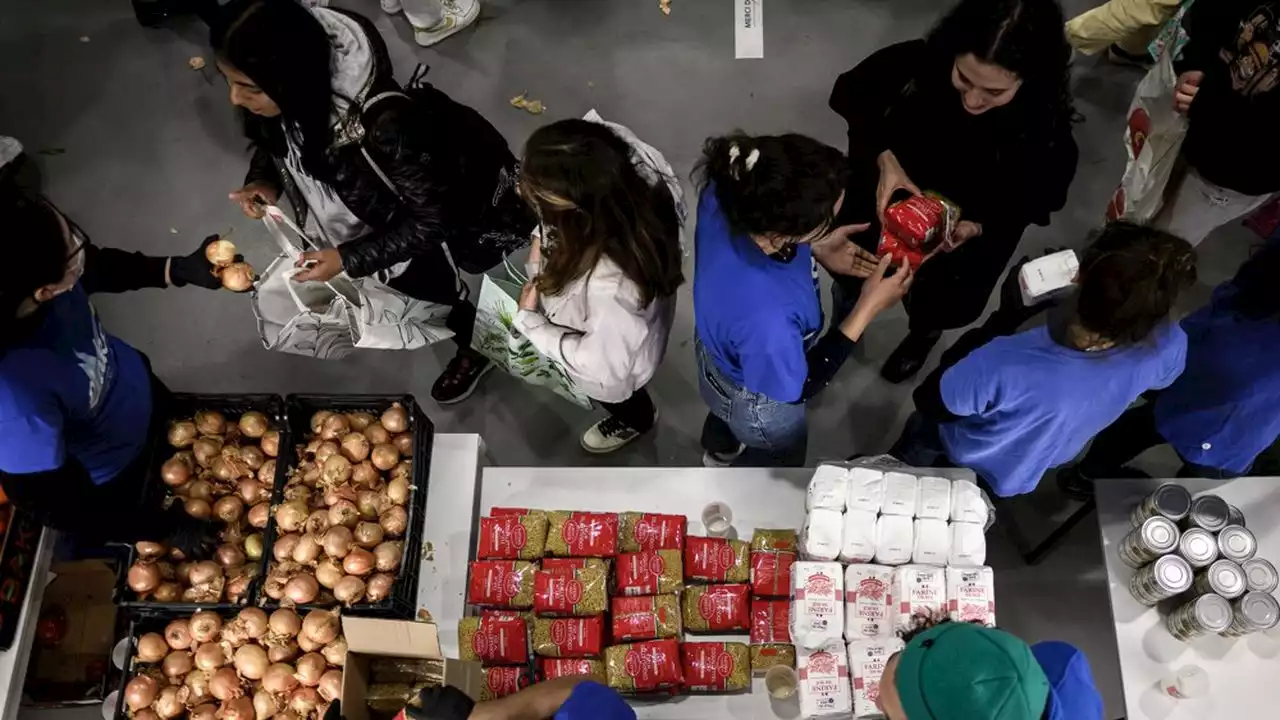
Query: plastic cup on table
[
  {"x": 781, "y": 682},
  {"x": 1188, "y": 681},
  {"x": 717, "y": 519},
  {"x": 109, "y": 705}
]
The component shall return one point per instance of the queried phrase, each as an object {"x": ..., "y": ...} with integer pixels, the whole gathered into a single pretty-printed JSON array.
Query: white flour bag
[
  {"x": 858, "y": 542},
  {"x": 866, "y": 601},
  {"x": 828, "y": 488},
  {"x": 866, "y": 489},
  {"x": 824, "y": 681},
  {"x": 817, "y": 603},
  {"x": 900, "y": 494},
  {"x": 867, "y": 659}
]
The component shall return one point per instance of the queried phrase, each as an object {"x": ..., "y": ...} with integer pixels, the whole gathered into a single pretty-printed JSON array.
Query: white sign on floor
[{"x": 748, "y": 29}]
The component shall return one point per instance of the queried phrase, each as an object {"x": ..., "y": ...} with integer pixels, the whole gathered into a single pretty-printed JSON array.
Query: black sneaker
[
  {"x": 460, "y": 377},
  {"x": 1120, "y": 56},
  {"x": 608, "y": 435},
  {"x": 910, "y": 355}
]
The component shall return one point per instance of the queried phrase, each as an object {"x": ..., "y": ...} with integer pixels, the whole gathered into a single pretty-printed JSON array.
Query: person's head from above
[
  {"x": 1129, "y": 280},
  {"x": 1002, "y": 50},
  {"x": 50, "y": 257},
  {"x": 1257, "y": 290},
  {"x": 581, "y": 182},
  {"x": 782, "y": 190},
  {"x": 962, "y": 671}
]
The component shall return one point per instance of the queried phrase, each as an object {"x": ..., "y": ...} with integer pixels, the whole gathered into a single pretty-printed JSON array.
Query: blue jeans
[{"x": 775, "y": 433}]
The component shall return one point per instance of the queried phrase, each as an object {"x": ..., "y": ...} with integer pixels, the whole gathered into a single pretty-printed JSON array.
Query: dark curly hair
[
  {"x": 1025, "y": 37},
  {"x": 779, "y": 185}
]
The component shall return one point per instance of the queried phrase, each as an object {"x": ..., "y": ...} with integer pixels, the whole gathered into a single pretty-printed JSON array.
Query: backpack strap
[{"x": 364, "y": 110}]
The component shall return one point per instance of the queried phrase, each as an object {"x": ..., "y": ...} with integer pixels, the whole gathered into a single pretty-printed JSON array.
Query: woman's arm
[{"x": 108, "y": 270}]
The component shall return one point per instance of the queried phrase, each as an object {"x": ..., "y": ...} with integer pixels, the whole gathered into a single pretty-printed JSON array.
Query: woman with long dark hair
[
  {"x": 602, "y": 291},
  {"x": 405, "y": 186},
  {"x": 980, "y": 112}
]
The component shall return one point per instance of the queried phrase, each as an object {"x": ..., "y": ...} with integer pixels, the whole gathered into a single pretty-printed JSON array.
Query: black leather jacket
[{"x": 453, "y": 173}]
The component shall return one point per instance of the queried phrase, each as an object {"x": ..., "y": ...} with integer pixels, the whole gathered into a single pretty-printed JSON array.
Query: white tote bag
[{"x": 330, "y": 319}]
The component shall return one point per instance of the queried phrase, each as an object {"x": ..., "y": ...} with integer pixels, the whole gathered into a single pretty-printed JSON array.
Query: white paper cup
[
  {"x": 717, "y": 519},
  {"x": 781, "y": 682}
]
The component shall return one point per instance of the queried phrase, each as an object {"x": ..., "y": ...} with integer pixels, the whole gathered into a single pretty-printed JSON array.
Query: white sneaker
[
  {"x": 610, "y": 434},
  {"x": 391, "y": 7},
  {"x": 458, "y": 14},
  {"x": 721, "y": 460}
]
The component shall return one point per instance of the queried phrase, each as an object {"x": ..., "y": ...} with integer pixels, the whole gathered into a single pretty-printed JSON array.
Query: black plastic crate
[
  {"x": 143, "y": 624},
  {"x": 182, "y": 405},
  {"x": 402, "y": 602}
]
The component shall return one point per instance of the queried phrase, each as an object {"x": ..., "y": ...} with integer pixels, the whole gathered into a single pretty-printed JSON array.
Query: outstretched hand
[
  {"x": 892, "y": 179},
  {"x": 1185, "y": 90},
  {"x": 840, "y": 255},
  {"x": 253, "y": 199},
  {"x": 195, "y": 269}
]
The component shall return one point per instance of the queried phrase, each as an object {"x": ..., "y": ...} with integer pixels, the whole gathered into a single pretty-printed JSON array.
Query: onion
[
  {"x": 304, "y": 701},
  {"x": 369, "y": 504},
  {"x": 253, "y": 457},
  {"x": 279, "y": 679},
  {"x": 205, "y": 624},
  {"x": 364, "y": 474},
  {"x": 141, "y": 692},
  {"x": 228, "y": 509},
  {"x": 326, "y": 450},
  {"x": 225, "y": 684},
  {"x": 176, "y": 470},
  {"x": 404, "y": 443},
  {"x": 270, "y": 443},
  {"x": 264, "y": 704},
  {"x": 240, "y": 708},
  {"x": 227, "y": 468},
  {"x": 341, "y": 492},
  {"x": 253, "y": 424},
  {"x": 284, "y": 547},
  {"x": 167, "y": 704},
  {"x": 237, "y": 277},
  {"x": 182, "y": 433},
  {"x": 253, "y": 546},
  {"x": 329, "y": 572},
  {"x": 355, "y": 446},
  {"x": 307, "y": 644},
  {"x": 210, "y": 422},
  {"x": 344, "y": 512},
  {"x": 368, "y": 535},
  {"x": 177, "y": 664},
  {"x": 307, "y": 551},
  {"x": 349, "y": 590},
  {"x": 152, "y": 648},
  {"x": 302, "y": 588},
  {"x": 203, "y": 572},
  {"x": 239, "y": 585},
  {"x": 337, "y": 541},
  {"x": 149, "y": 550},
  {"x": 309, "y": 669},
  {"x": 291, "y": 515},
  {"x": 229, "y": 555},
  {"x": 251, "y": 491},
  {"x": 310, "y": 473},
  {"x": 143, "y": 577},
  {"x": 285, "y": 623},
  {"x": 206, "y": 450},
  {"x": 220, "y": 253},
  {"x": 360, "y": 420},
  {"x": 386, "y": 557},
  {"x": 259, "y": 515},
  {"x": 251, "y": 661},
  {"x": 331, "y": 685},
  {"x": 167, "y": 592},
  {"x": 335, "y": 653},
  {"x": 317, "y": 522},
  {"x": 403, "y": 471},
  {"x": 394, "y": 520},
  {"x": 200, "y": 490},
  {"x": 209, "y": 656},
  {"x": 379, "y": 587},
  {"x": 321, "y": 626},
  {"x": 197, "y": 682},
  {"x": 377, "y": 434},
  {"x": 207, "y": 711},
  {"x": 317, "y": 420},
  {"x": 146, "y": 714},
  {"x": 385, "y": 456},
  {"x": 267, "y": 473},
  {"x": 283, "y": 653},
  {"x": 254, "y": 621},
  {"x": 178, "y": 634},
  {"x": 335, "y": 426},
  {"x": 395, "y": 419},
  {"x": 358, "y": 562},
  {"x": 336, "y": 469},
  {"x": 197, "y": 508},
  {"x": 398, "y": 491}
]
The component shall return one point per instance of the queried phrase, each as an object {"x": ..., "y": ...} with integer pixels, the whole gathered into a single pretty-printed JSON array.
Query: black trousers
[
  {"x": 433, "y": 277},
  {"x": 636, "y": 411},
  {"x": 1132, "y": 434}
]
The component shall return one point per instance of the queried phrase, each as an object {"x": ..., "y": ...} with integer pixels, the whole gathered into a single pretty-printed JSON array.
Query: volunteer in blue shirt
[
  {"x": 1021, "y": 404},
  {"x": 1224, "y": 409},
  {"x": 765, "y": 213},
  {"x": 77, "y": 405},
  {"x": 565, "y": 698},
  {"x": 961, "y": 671}
]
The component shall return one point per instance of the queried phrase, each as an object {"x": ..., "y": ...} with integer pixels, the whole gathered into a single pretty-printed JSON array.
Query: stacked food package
[{"x": 773, "y": 555}]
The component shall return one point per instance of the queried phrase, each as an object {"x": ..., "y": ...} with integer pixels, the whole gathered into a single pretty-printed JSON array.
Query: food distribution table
[{"x": 1244, "y": 673}]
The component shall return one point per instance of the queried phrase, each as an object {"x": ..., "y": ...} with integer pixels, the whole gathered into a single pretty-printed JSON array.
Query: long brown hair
[{"x": 579, "y": 178}]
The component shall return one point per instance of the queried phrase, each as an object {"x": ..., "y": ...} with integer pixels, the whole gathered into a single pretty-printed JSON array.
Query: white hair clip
[{"x": 752, "y": 158}]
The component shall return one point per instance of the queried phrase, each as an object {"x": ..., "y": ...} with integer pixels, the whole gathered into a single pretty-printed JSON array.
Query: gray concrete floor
[{"x": 142, "y": 151}]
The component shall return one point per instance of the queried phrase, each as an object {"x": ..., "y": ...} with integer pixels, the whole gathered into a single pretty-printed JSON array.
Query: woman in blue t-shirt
[
  {"x": 766, "y": 212},
  {"x": 77, "y": 404}
]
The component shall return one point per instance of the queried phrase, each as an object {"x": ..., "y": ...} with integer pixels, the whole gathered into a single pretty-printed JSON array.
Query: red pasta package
[
  {"x": 501, "y": 681},
  {"x": 717, "y": 608},
  {"x": 495, "y": 638},
  {"x": 501, "y": 584},
  {"x": 716, "y": 666},
  {"x": 922, "y": 222},
  {"x": 582, "y": 534},
  {"x": 646, "y": 618},
  {"x": 552, "y": 668},
  {"x": 644, "y": 667},
  {"x": 512, "y": 537},
  {"x": 771, "y": 573},
  {"x": 770, "y": 621},
  {"x": 895, "y": 248},
  {"x": 568, "y": 637},
  {"x": 583, "y": 594},
  {"x": 713, "y": 559},
  {"x": 651, "y": 572},
  {"x": 649, "y": 531},
  {"x": 566, "y": 566}
]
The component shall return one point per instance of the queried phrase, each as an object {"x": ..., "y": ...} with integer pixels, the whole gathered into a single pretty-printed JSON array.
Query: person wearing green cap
[{"x": 962, "y": 671}]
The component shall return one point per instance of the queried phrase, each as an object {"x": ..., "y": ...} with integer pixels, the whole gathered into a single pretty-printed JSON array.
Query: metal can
[
  {"x": 1198, "y": 547},
  {"x": 1202, "y": 615},
  {"x": 1253, "y": 612},
  {"x": 1169, "y": 500},
  {"x": 1223, "y": 577},
  {"x": 1154, "y": 537},
  {"x": 1236, "y": 543},
  {"x": 1234, "y": 516},
  {"x": 1260, "y": 574},
  {"x": 1208, "y": 512},
  {"x": 1164, "y": 578}
]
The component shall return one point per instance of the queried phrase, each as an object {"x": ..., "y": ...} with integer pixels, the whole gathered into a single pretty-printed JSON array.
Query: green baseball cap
[{"x": 962, "y": 671}]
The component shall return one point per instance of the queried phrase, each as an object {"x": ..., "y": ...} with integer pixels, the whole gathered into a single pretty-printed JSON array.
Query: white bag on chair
[{"x": 330, "y": 319}]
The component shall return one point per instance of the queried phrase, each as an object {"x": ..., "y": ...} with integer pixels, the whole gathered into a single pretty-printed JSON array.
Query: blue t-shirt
[
  {"x": 753, "y": 313},
  {"x": 70, "y": 389},
  {"x": 1028, "y": 404},
  {"x": 1225, "y": 408},
  {"x": 593, "y": 701},
  {"x": 1072, "y": 694}
]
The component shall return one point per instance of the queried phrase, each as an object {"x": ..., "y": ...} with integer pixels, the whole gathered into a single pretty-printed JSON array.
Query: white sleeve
[{"x": 603, "y": 354}]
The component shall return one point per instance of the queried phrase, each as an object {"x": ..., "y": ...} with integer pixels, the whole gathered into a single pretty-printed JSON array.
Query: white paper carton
[
  {"x": 866, "y": 489},
  {"x": 867, "y": 659},
  {"x": 1047, "y": 276},
  {"x": 866, "y": 601},
  {"x": 821, "y": 535},
  {"x": 817, "y": 603},
  {"x": 858, "y": 541},
  {"x": 824, "y": 681},
  {"x": 971, "y": 595},
  {"x": 917, "y": 590},
  {"x": 828, "y": 488},
  {"x": 932, "y": 543},
  {"x": 968, "y": 545},
  {"x": 895, "y": 536},
  {"x": 966, "y": 503},
  {"x": 900, "y": 493},
  {"x": 934, "y": 500}
]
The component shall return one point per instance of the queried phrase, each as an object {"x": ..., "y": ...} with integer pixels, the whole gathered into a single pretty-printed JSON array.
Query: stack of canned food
[{"x": 1202, "y": 548}]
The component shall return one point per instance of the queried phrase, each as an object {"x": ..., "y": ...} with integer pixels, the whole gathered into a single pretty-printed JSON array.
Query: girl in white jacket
[{"x": 603, "y": 276}]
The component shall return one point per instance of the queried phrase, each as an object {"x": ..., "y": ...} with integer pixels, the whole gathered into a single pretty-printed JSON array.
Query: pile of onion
[
  {"x": 223, "y": 471},
  {"x": 252, "y": 666},
  {"x": 341, "y": 530}
]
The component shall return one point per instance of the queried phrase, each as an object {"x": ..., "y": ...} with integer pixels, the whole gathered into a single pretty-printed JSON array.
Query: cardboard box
[
  {"x": 369, "y": 638},
  {"x": 77, "y": 669}
]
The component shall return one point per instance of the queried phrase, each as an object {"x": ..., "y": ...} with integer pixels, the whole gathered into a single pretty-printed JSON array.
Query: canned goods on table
[
  {"x": 1208, "y": 512},
  {"x": 1236, "y": 543},
  {"x": 1202, "y": 615},
  {"x": 1260, "y": 574},
  {"x": 1162, "y": 579},
  {"x": 1234, "y": 516},
  {"x": 1198, "y": 547},
  {"x": 1154, "y": 537},
  {"x": 1253, "y": 612},
  {"x": 1169, "y": 500},
  {"x": 1222, "y": 577}
]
